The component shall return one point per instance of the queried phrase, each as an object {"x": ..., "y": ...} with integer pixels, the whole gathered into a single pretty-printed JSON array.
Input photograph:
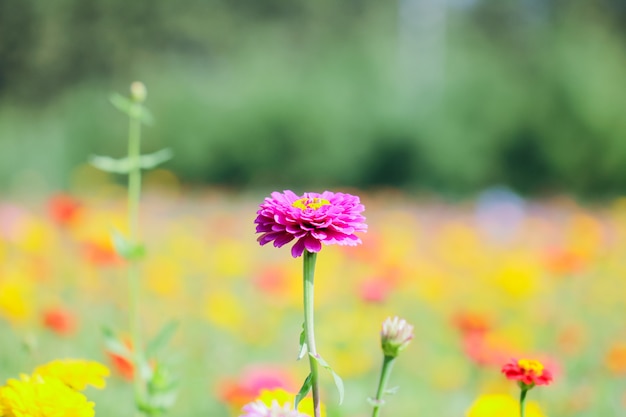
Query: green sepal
[
  {"x": 125, "y": 165},
  {"x": 162, "y": 338},
  {"x": 303, "y": 346},
  {"x": 304, "y": 390},
  {"x": 127, "y": 249},
  {"x": 113, "y": 344},
  {"x": 336, "y": 378},
  {"x": 132, "y": 109}
]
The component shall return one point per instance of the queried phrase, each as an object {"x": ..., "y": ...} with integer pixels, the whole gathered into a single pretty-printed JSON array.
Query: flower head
[
  {"x": 528, "y": 372},
  {"x": 75, "y": 373},
  {"x": 39, "y": 396},
  {"x": 395, "y": 335},
  {"x": 311, "y": 219}
]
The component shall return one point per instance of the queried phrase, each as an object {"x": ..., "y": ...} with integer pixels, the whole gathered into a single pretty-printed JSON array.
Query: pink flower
[
  {"x": 528, "y": 372},
  {"x": 311, "y": 219},
  {"x": 260, "y": 409}
]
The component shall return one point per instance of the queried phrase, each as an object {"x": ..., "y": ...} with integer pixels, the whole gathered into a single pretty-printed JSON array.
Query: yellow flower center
[
  {"x": 531, "y": 365},
  {"x": 310, "y": 203}
]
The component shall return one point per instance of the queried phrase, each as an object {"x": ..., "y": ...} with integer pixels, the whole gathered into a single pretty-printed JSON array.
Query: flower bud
[
  {"x": 138, "y": 92},
  {"x": 395, "y": 336}
]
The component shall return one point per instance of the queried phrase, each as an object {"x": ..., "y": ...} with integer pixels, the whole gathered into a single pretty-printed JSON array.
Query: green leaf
[
  {"x": 161, "y": 339},
  {"x": 108, "y": 164},
  {"x": 127, "y": 249},
  {"x": 124, "y": 165},
  {"x": 122, "y": 103},
  {"x": 304, "y": 390},
  {"x": 153, "y": 159},
  {"x": 113, "y": 344},
  {"x": 336, "y": 378},
  {"x": 303, "y": 346},
  {"x": 134, "y": 110}
]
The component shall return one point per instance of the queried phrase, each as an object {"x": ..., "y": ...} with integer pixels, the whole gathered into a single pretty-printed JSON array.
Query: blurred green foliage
[{"x": 320, "y": 94}]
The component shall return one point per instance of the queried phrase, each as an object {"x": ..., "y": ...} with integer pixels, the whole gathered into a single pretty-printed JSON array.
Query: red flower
[
  {"x": 59, "y": 321},
  {"x": 63, "y": 209},
  {"x": 528, "y": 372},
  {"x": 100, "y": 254},
  {"x": 121, "y": 363}
]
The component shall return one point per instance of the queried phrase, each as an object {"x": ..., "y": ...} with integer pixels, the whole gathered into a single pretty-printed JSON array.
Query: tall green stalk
[
  {"x": 309, "y": 332},
  {"x": 134, "y": 195}
]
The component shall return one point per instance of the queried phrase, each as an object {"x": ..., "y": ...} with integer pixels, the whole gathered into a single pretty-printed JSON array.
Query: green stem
[
  {"x": 309, "y": 273},
  {"x": 382, "y": 383},
  {"x": 522, "y": 402},
  {"x": 134, "y": 194}
]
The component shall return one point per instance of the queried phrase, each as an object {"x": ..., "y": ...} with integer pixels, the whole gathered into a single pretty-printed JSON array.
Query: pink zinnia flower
[
  {"x": 528, "y": 372},
  {"x": 260, "y": 409},
  {"x": 312, "y": 219}
]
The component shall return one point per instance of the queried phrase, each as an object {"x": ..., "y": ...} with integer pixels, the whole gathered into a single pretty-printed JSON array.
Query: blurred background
[
  {"x": 480, "y": 135},
  {"x": 445, "y": 96}
]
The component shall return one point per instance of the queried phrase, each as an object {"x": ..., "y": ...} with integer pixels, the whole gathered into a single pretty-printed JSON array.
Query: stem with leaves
[
  {"x": 309, "y": 332},
  {"x": 134, "y": 195},
  {"x": 155, "y": 387}
]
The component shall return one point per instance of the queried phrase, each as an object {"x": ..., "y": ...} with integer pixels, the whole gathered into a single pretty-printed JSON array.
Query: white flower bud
[{"x": 395, "y": 336}]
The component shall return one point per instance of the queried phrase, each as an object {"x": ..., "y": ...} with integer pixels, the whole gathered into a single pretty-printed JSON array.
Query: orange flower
[
  {"x": 615, "y": 359},
  {"x": 468, "y": 322},
  {"x": 63, "y": 209},
  {"x": 100, "y": 254},
  {"x": 123, "y": 365},
  {"x": 59, "y": 320}
]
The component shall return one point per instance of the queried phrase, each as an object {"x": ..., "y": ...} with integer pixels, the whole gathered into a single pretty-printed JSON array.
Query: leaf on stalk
[
  {"x": 336, "y": 378},
  {"x": 374, "y": 402},
  {"x": 126, "y": 105},
  {"x": 108, "y": 164},
  {"x": 161, "y": 339},
  {"x": 151, "y": 160},
  {"x": 392, "y": 390},
  {"x": 122, "y": 103},
  {"x": 306, "y": 387},
  {"x": 124, "y": 165},
  {"x": 303, "y": 346},
  {"x": 127, "y": 249},
  {"x": 113, "y": 344}
]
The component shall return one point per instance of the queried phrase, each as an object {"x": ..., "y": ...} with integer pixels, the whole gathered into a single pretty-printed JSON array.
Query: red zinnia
[{"x": 528, "y": 372}]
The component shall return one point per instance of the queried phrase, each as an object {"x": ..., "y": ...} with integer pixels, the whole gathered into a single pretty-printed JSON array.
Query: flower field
[{"x": 481, "y": 281}]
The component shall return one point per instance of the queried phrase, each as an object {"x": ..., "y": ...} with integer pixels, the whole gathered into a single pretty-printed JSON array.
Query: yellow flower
[
  {"x": 501, "y": 405},
  {"x": 37, "y": 396},
  {"x": 282, "y": 397},
  {"x": 75, "y": 373}
]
